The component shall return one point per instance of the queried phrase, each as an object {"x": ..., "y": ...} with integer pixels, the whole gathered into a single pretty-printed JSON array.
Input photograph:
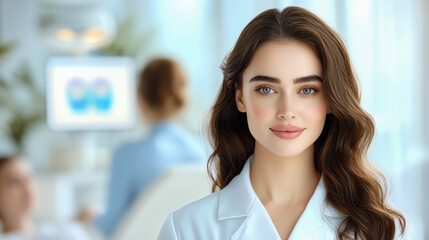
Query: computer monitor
[{"x": 90, "y": 93}]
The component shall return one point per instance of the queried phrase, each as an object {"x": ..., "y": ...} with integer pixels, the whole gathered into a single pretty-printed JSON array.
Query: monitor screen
[{"x": 90, "y": 93}]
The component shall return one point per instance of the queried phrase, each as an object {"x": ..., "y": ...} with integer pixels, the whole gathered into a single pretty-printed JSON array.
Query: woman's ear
[{"x": 239, "y": 99}]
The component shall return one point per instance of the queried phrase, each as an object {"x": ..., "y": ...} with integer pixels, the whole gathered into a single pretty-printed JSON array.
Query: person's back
[
  {"x": 167, "y": 145},
  {"x": 141, "y": 162},
  {"x": 136, "y": 165}
]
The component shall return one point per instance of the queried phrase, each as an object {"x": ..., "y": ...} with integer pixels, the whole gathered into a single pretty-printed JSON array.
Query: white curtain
[{"x": 385, "y": 40}]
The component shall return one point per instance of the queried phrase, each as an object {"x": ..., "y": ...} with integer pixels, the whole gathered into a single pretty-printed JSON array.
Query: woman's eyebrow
[
  {"x": 264, "y": 79},
  {"x": 277, "y": 80},
  {"x": 307, "y": 79}
]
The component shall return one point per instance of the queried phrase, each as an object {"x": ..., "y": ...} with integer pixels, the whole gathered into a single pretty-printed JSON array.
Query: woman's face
[
  {"x": 282, "y": 95},
  {"x": 17, "y": 189}
]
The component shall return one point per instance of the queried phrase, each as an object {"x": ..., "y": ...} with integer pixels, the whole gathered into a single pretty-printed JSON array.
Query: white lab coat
[{"x": 236, "y": 212}]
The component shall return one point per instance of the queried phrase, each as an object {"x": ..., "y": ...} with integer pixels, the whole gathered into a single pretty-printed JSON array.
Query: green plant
[{"x": 21, "y": 102}]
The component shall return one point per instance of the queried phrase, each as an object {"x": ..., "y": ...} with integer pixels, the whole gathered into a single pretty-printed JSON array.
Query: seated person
[
  {"x": 17, "y": 203},
  {"x": 135, "y": 165}
]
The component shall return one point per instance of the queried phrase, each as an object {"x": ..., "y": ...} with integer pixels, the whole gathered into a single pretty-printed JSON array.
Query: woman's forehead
[{"x": 284, "y": 59}]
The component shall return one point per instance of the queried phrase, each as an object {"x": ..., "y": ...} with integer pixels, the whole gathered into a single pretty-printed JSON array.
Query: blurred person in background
[
  {"x": 18, "y": 193},
  {"x": 162, "y": 94}
]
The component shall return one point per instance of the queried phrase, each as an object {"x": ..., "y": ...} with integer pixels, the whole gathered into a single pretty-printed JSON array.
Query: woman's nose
[{"x": 285, "y": 107}]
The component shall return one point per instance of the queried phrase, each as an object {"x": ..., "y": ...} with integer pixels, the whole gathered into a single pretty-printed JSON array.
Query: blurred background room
[{"x": 45, "y": 43}]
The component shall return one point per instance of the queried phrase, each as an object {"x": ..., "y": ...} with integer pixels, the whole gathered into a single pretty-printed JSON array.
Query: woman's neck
[
  {"x": 283, "y": 180},
  {"x": 18, "y": 224}
]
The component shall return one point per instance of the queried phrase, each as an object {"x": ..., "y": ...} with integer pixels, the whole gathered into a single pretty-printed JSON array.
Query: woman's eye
[
  {"x": 307, "y": 91},
  {"x": 265, "y": 90}
]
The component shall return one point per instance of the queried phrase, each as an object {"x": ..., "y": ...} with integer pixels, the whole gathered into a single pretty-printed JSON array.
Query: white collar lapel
[
  {"x": 257, "y": 225},
  {"x": 238, "y": 199},
  {"x": 311, "y": 224}
]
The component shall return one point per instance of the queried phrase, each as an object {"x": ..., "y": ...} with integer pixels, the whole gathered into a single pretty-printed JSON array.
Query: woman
[
  {"x": 290, "y": 142},
  {"x": 162, "y": 94},
  {"x": 17, "y": 203}
]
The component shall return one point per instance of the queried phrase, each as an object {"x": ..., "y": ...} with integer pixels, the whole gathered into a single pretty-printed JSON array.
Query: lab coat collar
[{"x": 238, "y": 199}]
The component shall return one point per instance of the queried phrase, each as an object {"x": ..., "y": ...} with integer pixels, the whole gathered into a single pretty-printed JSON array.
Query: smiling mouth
[{"x": 287, "y": 134}]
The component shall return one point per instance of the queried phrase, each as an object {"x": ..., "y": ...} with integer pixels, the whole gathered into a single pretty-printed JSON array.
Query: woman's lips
[{"x": 287, "y": 132}]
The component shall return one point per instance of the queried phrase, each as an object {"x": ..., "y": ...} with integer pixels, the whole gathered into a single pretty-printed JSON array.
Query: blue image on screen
[
  {"x": 102, "y": 94},
  {"x": 91, "y": 93},
  {"x": 77, "y": 95}
]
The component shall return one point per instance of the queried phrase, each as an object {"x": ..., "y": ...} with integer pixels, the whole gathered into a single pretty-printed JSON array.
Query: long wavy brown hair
[{"x": 354, "y": 187}]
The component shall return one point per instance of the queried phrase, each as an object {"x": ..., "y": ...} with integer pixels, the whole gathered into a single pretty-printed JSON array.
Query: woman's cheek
[
  {"x": 260, "y": 109},
  {"x": 315, "y": 111}
]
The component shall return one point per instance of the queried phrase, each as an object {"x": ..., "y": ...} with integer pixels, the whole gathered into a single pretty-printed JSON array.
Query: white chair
[{"x": 174, "y": 189}]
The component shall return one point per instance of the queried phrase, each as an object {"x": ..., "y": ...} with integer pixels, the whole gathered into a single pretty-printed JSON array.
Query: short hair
[{"x": 162, "y": 84}]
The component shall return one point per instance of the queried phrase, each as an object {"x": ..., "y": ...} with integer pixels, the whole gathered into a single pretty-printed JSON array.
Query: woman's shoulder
[
  {"x": 200, "y": 210},
  {"x": 198, "y": 217},
  {"x": 199, "y": 220}
]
